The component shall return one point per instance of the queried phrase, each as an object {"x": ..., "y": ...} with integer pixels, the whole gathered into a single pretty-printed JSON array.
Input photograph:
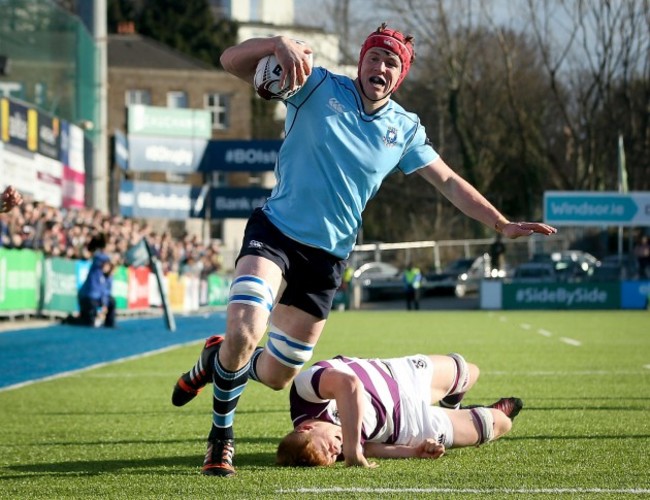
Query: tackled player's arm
[
  {"x": 347, "y": 390},
  {"x": 427, "y": 449}
]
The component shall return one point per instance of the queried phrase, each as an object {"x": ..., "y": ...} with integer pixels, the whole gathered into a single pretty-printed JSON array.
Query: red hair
[{"x": 297, "y": 450}]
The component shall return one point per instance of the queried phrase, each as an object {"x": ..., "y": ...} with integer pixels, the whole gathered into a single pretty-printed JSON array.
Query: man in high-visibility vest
[
  {"x": 412, "y": 282},
  {"x": 346, "y": 286}
]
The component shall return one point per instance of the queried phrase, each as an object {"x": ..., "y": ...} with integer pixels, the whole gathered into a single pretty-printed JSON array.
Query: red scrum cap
[{"x": 394, "y": 42}]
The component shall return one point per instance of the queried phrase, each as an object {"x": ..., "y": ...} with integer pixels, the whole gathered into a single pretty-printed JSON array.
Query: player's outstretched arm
[
  {"x": 427, "y": 449},
  {"x": 347, "y": 390},
  {"x": 473, "y": 204}
]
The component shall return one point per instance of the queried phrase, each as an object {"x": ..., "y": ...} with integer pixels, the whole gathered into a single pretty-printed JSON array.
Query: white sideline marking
[
  {"x": 546, "y": 333},
  {"x": 646, "y": 366},
  {"x": 561, "y": 373},
  {"x": 569, "y": 341},
  {"x": 97, "y": 365},
  {"x": 521, "y": 491},
  {"x": 503, "y": 319},
  {"x": 525, "y": 326}
]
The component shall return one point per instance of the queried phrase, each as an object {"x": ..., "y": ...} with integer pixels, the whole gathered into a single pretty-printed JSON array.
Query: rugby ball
[{"x": 267, "y": 80}]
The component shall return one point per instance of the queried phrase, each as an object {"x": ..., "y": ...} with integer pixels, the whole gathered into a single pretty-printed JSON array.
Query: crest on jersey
[
  {"x": 391, "y": 137},
  {"x": 418, "y": 363}
]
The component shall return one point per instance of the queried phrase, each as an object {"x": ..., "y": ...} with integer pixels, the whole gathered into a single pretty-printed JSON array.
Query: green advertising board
[
  {"x": 20, "y": 279},
  {"x": 120, "y": 290},
  {"x": 218, "y": 290},
  {"x": 561, "y": 296},
  {"x": 172, "y": 122},
  {"x": 59, "y": 286}
]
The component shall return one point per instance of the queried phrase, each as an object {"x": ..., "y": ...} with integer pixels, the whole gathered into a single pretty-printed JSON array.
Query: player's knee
[
  {"x": 463, "y": 380},
  {"x": 241, "y": 342}
]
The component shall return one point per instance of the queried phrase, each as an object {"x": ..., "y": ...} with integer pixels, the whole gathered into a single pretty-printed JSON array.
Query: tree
[
  {"x": 186, "y": 25},
  {"x": 480, "y": 93},
  {"x": 520, "y": 102},
  {"x": 598, "y": 68}
]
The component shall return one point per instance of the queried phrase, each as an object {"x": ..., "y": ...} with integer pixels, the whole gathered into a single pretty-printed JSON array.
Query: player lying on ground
[{"x": 353, "y": 409}]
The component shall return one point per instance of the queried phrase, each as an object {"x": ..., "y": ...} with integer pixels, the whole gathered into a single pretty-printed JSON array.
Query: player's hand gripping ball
[{"x": 267, "y": 79}]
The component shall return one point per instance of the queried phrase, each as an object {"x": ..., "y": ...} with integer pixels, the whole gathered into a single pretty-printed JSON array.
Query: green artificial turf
[{"x": 584, "y": 432}]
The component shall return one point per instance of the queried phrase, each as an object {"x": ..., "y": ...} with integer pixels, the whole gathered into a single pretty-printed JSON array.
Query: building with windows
[
  {"x": 144, "y": 71},
  {"x": 276, "y": 12}
]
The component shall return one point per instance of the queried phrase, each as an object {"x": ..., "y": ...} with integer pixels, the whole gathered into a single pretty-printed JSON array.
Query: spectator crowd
[{"x": 67, "y": 232}]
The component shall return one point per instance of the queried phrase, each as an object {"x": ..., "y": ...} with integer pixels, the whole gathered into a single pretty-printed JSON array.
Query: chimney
[{"x": 126, "y": 28}]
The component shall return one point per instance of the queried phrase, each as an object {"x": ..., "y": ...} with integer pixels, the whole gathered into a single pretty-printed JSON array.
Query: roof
[{"x": 137, "y": 51}]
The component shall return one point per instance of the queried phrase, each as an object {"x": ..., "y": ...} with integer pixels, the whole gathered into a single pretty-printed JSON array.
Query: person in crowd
[
  {"x": 9, "y": 199},
  {"x": 96, "y": 304},
  {"x": 412, "y": 283},
  {"x": 343, "y": 136},
  {"x": 353, "y": 409},
  {"x": 642, "y": 254},
  {"x": 66, "y": 232},
  {"x": 346, "y": 286},
  {"x": 497, "y": 252}
]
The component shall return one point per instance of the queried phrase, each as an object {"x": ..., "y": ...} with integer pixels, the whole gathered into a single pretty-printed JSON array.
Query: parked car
[
  {"x": 379, "y": 281},
  {"x": 460, "y": 277},
  {"x": 573, "y": 265},
  {"x": 444, "y": 282},
  {"x": 570, "y": 265},
  {"x": 614, "y": 268},
  {"x": 535, "y": 272}
]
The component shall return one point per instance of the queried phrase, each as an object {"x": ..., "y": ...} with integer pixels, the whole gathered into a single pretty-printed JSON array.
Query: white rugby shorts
[{"x": 419, "y": 419}]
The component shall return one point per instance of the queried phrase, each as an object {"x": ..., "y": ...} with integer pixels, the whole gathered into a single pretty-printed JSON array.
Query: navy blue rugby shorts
[{"x": 313, "y": 276}]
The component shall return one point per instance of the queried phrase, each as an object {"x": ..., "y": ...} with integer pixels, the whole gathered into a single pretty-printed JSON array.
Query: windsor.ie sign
[{"x": 597, "y": 208}]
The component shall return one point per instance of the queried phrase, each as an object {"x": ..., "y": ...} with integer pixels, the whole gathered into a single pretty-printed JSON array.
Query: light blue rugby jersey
[{"x": 334, "y": 158}]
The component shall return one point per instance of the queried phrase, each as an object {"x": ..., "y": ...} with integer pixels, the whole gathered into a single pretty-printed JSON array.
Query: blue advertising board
[
  {"x": 571, "y": 208},
  {"x": 237, "y": 156},
  {"x": 237, "y": 202},
  {"x": 120, "y": 150},
  {"x": 635, "y": 294},
  {"x": 157, "y": 199},
  {"x": 181, "y": 155},
  {"x": 165, "y": 154}
]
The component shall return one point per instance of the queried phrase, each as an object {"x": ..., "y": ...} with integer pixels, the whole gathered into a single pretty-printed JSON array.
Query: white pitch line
[
  {"x": 582, "y": 373},
  {"x": 525, "y": 326},
  {"x": 569, "y": 341},
  {"x": 646, "y": 366},
  {"x": 520, "y": 491},
  {"x": 546, "y": 333}
]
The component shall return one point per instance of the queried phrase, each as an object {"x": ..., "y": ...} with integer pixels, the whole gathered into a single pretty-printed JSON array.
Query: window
[
  {"x": 137, "y": 96},
  {"x": 218, "y": 105},
  {"x": 177, "y": 99}
]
